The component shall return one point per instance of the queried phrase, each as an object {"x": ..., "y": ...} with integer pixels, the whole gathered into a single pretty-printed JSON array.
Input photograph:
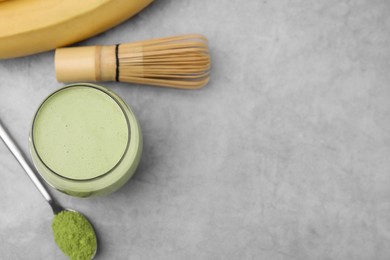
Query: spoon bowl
[{"x": 69, "y": 228}]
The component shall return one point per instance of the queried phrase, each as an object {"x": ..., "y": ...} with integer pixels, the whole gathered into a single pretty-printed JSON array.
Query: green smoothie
[
  {"x": 85, "y": 140},
  {"x": 80, "y": 133}
]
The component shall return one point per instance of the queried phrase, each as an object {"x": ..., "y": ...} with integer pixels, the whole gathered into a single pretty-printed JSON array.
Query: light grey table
[{"x": 284, "y": 155}]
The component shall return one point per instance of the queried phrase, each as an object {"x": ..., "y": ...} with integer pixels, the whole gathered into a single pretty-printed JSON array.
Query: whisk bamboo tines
[{"x": 178, "y": 62}]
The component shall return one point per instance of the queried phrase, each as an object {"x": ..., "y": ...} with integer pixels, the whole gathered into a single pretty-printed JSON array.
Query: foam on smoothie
[{"x": 80, "y": 132}]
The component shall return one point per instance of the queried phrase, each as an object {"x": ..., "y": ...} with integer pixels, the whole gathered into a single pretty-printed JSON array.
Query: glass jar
[{"x": 85, "y": 141}]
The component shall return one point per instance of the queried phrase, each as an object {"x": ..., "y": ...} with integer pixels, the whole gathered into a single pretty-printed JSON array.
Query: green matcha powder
[{"x": 74, "y": 235}]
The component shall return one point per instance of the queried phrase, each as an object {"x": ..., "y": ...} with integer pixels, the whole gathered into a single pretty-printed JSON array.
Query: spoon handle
[{"x": 12, "y": 146}]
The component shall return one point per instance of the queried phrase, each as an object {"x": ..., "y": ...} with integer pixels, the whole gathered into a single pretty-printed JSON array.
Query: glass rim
[{"x": 105, "y": 91}]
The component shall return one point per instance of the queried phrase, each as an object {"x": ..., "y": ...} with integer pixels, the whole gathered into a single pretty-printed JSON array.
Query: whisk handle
[{"x": 90, "y": 63}]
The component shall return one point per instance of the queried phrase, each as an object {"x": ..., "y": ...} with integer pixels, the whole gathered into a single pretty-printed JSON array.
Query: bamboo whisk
[{"x": 177, "y": 62}]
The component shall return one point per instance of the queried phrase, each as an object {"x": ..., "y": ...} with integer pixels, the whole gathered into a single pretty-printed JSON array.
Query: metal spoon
[{"x": 12, "y": 146}]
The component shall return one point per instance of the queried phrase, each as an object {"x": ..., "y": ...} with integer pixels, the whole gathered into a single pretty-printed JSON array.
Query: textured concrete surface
[{"x": 284, "y": 155}]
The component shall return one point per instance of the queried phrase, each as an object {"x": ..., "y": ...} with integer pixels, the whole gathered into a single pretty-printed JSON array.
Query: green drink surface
[{"x": 80, "y": 133}]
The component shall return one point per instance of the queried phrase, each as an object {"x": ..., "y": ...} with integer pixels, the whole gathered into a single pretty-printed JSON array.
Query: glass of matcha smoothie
[{"x": 85, "y": 141}]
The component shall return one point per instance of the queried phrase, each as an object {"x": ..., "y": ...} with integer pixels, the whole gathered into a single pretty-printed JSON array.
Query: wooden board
[{"x": 33, "y": 26}]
